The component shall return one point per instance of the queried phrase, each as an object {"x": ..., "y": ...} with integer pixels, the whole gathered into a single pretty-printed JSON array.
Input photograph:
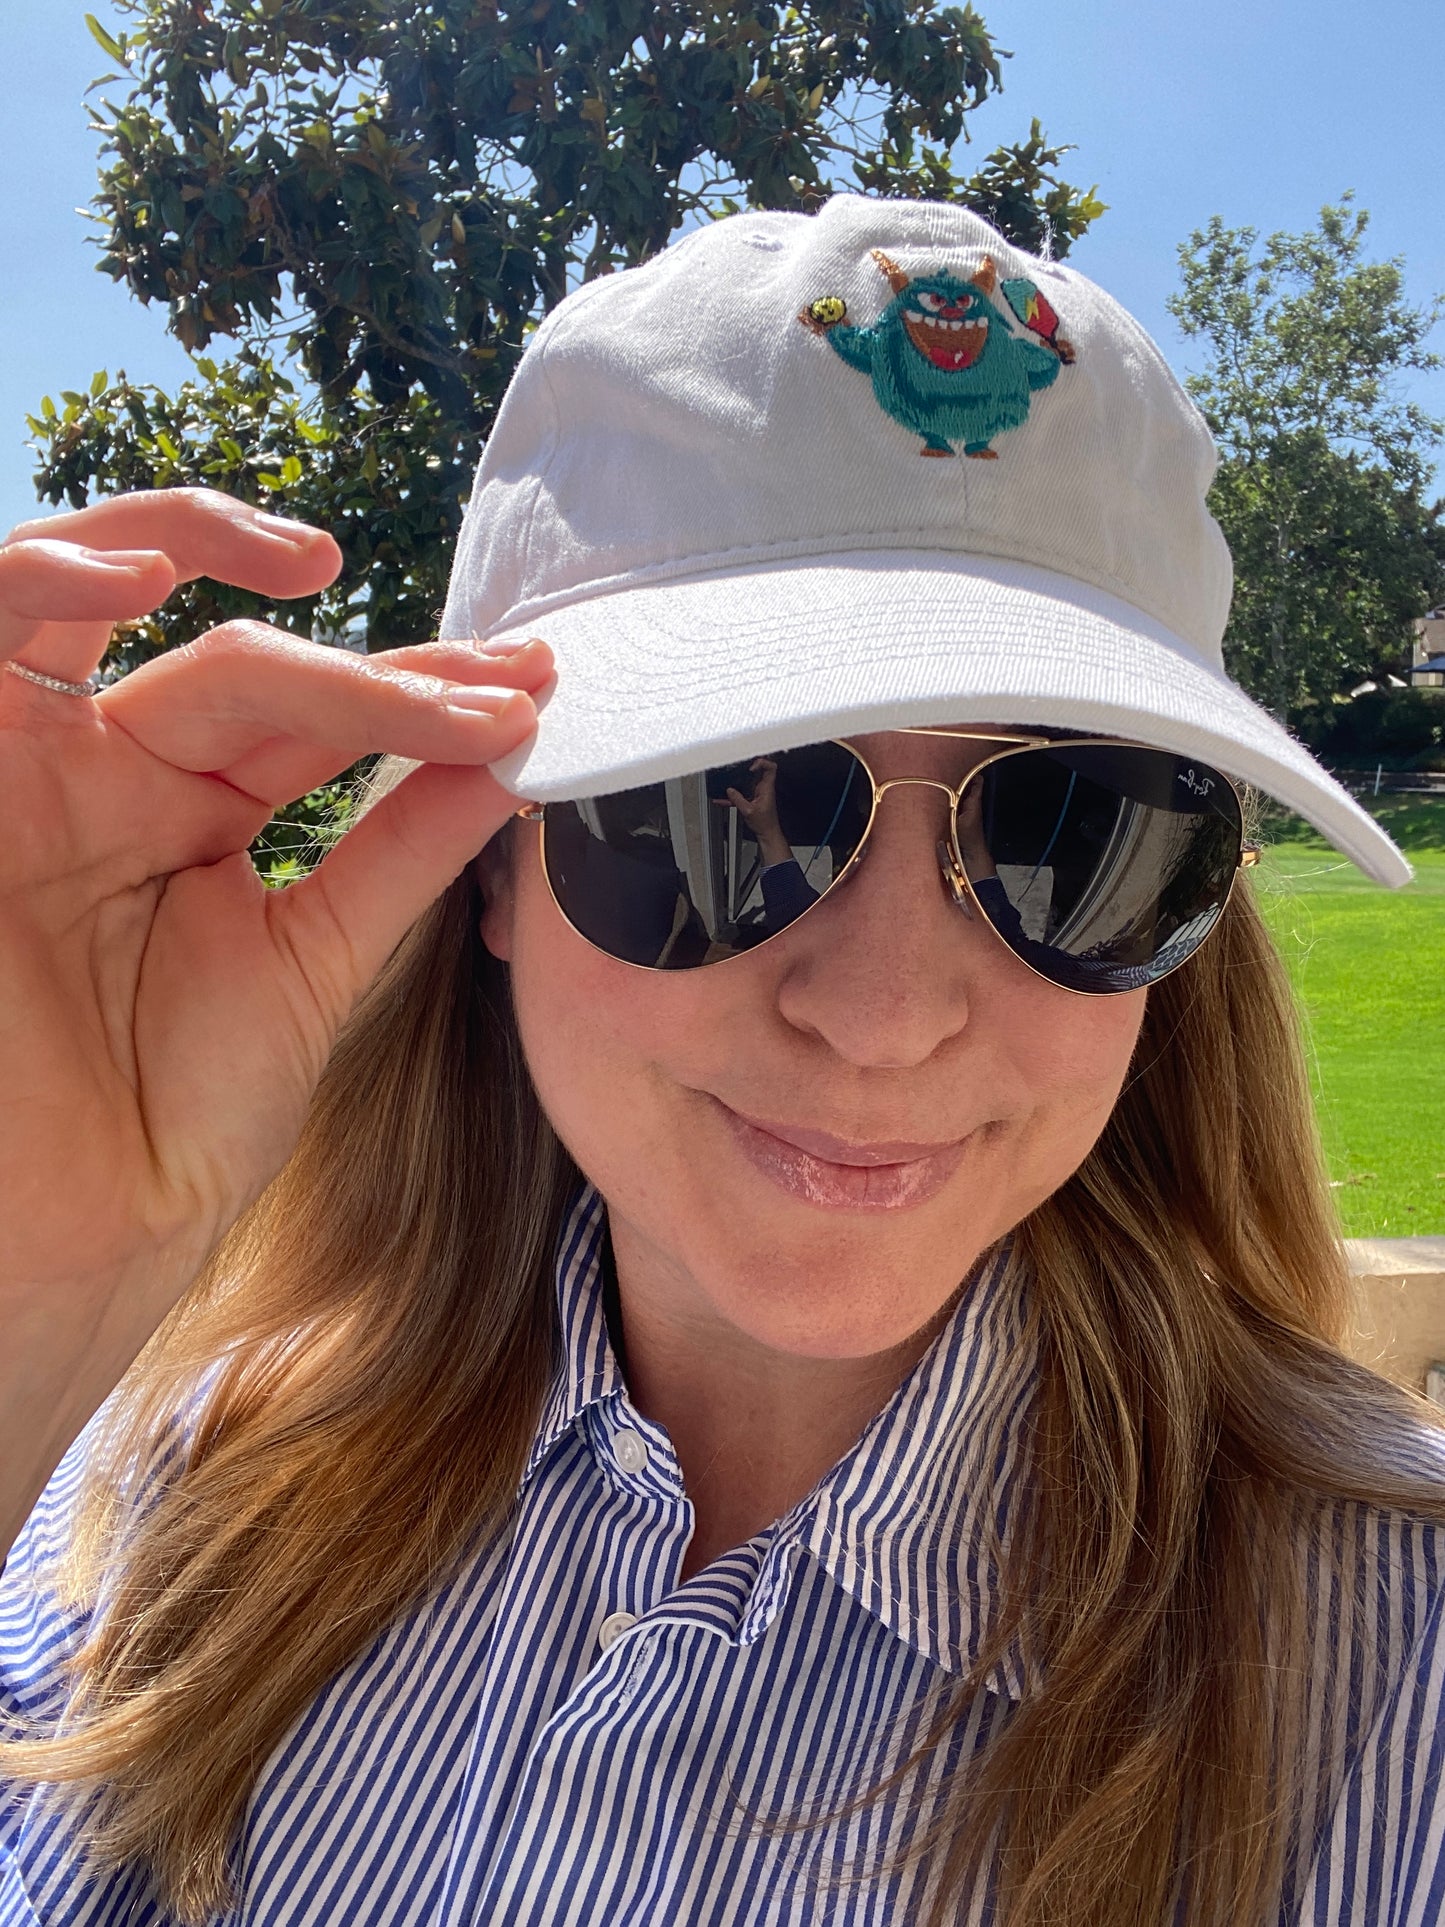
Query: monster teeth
[
  {"x": 940, "y": 323},
  {"x": 950, "y": 342}
]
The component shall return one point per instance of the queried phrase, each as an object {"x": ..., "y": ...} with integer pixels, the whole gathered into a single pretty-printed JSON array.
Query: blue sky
[{"x": 1258, "y": 110}]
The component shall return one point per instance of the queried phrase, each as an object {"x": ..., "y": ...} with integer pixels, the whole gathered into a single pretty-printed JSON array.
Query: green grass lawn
[{"x": 1369, "y": 967}]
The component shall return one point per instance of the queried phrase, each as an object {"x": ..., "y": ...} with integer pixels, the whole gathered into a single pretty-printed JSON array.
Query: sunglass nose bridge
[{"x": 953, "y": 877}]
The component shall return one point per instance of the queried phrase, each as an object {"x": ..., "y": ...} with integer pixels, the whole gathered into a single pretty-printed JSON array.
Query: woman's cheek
[
  {"x": 1075, "y": 1061},
  {"x": 593, "y": 1031}
]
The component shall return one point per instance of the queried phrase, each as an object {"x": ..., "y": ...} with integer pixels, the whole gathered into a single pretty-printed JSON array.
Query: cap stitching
[{"x": 912, "y": 537}]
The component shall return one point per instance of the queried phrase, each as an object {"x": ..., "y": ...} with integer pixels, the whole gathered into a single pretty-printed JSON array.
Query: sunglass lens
[
  {"x": 1104, "y": 867},
  {"x": 700, "y": 868}
]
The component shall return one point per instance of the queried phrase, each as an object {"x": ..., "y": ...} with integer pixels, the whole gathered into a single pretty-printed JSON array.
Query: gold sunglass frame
[{"x": 952, "y": 867}]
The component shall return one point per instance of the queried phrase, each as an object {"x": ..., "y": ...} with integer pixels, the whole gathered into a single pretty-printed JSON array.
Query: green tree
[
  {"x": 377, "y": 203},
  {"x": 1324, "y": 464}
]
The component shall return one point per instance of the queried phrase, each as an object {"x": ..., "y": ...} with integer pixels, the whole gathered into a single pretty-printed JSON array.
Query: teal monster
[{"x": 946, "y": 359}]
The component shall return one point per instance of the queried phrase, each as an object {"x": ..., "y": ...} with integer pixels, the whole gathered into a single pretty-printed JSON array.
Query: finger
[
  {"x": 245, "y": 688},
  {"x": 344, "y": 920},
  {"x": 284, "y": 767},
  {"x": 203, "y": 533},
  {"x": 59, "y": 602}
]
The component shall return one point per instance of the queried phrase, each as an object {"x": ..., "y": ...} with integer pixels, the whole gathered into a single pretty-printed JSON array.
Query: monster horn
[
  {"x": 987, "y": 276},
  {"x": 897, "y": 279}
]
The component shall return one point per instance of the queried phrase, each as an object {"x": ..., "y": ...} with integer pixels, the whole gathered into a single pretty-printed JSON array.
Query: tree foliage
[
  {"x": 1322, "y": 488},
  {"x": 386, "y": 480}
]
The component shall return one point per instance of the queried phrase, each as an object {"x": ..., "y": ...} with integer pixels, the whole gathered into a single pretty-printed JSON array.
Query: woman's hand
[
  {"x": 760, "y": 811},
  {"x": 164, "y": 1017}
]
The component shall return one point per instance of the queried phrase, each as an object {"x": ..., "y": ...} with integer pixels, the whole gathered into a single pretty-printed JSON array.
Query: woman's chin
[{"x": 828, "y": 1295}]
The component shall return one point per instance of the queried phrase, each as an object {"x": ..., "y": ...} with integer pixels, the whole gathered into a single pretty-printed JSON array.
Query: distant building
[{"x": 1427, "y": 669}]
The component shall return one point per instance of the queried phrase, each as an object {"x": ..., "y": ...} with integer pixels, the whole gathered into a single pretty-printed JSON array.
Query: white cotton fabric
[{"x": 733, "y": 546}]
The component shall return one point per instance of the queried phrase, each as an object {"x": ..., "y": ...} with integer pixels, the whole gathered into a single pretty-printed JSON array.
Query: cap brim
[{"x": 661, "y": 678}]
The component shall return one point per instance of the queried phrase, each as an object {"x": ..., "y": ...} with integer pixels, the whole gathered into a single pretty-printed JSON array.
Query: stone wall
[{"x": 1400, "y": 1320}]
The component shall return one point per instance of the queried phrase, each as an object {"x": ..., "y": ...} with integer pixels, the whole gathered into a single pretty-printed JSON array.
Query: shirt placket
[{"x": 614, "y": 1468}]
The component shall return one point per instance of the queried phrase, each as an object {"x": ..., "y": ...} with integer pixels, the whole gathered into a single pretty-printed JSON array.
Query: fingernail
[
  {"x": 289, "y": 531},
  {"x": 505, "y": 647},
  {"x": 480, "y": 696}
]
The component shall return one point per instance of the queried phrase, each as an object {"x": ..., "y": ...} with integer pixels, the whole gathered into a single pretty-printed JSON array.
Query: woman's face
[{"x": 814, "y": 1142}]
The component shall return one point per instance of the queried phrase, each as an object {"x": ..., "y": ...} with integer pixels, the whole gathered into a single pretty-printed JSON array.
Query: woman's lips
[{"x": 829, "y": 1171}]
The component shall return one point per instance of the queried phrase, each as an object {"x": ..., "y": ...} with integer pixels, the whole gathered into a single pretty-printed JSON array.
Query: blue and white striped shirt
[{"x": 565, "y": 1735}]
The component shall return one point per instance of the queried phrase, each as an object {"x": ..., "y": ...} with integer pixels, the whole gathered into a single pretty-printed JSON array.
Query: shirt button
[
  {"x": 630, "y": 1451},
  {"x": 612, "y": 1629}
]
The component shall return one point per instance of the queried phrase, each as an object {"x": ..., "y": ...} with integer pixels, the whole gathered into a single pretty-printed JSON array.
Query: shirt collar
[
  {"x": 589, "y": 1371},
  {"x": 913, "y": 1521}
]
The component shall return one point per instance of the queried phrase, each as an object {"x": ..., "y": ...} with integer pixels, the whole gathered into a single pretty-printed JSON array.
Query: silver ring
[{"x": 90, "y": 688}]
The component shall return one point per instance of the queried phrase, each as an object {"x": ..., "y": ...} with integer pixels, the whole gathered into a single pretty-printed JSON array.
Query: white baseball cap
[{"x": 804, "y": 476}]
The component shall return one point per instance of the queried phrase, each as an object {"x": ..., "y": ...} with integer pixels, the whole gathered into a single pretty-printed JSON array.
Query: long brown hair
[{"x": 374, "y": 1341}]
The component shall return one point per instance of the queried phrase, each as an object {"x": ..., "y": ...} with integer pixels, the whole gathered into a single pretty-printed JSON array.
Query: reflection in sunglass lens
[
  {"x": 1104, "y": 867},
  {"x": 700, "y": 868}
]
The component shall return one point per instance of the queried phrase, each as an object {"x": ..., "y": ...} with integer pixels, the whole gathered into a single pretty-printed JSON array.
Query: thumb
[{"x": 343, "y": 921}]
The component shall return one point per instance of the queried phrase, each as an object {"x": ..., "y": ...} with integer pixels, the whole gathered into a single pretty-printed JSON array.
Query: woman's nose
[{"x": 885, "y": 967}]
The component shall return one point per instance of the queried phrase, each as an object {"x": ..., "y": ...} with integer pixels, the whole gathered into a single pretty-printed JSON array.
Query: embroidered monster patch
[{"x": 946, "y": 359}]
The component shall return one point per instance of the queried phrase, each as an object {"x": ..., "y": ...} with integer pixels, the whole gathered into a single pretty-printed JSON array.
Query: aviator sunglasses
[{"x": 1103, "y": 865}]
